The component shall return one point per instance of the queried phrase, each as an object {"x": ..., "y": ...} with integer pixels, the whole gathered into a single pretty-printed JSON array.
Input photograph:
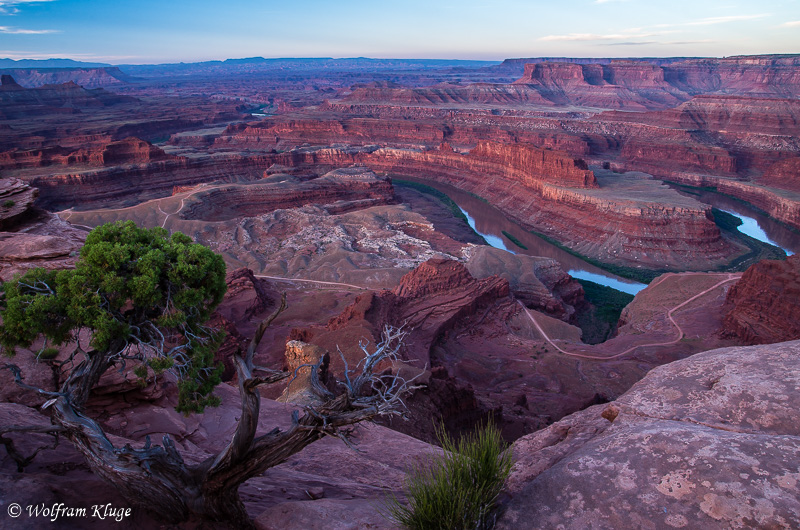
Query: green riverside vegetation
[
  {"x": 459, "y": 489},
  {"x": 514, "y": 240},
  {"x": 598, "y": 325}
]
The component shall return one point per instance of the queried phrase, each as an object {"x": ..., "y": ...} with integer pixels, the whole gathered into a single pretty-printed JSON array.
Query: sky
[{"x": 149, "y": 31}]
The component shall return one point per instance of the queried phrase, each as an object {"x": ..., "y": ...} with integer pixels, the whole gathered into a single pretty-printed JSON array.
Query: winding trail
[
  {"x": 293, "y": 280},
  {"x": 167, "y": 215},
  {"x": 730, "y": 277},
  {"x": 186, "y": 195}
]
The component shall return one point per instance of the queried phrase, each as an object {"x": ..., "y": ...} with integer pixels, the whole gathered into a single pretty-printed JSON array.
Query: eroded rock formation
[
  {"x": 16, "y": 200},
  {"x": 30, "y": 237},
  {"x": 764, "y": 305},
  {"x": 539, "y": 283},
  {"x": 428, "y": 301}
]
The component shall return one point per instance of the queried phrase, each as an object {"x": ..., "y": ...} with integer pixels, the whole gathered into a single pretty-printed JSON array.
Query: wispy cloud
[
  {"x": 17, "y": 55},
  {"x": 9, "y": 7},
  {"x": 642, "y": 43},
  {"x": 657, "y": 43},
  {"x": 636, "y": 33},
  {"x": 20, "y": 31},
  {"x": 724, "y": 20},
  {"x": 680, "y": 42},
  {"x": 791, "y": 24}
]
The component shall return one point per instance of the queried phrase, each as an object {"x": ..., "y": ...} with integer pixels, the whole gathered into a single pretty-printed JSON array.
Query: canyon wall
[
  {"x": 606, "y": 226},
  {"x": 340, "y": 190},
  {"x": 763, "y": 305},
  {"x": 544, "y": 190},
  {"x": 778, "y": 204},
  {"x": 133, "y": 183},
  {"x": 85, "y": 77},
  {"x": 410, "y": 127}
]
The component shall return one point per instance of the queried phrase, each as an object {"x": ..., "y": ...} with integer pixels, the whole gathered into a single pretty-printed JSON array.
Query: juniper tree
[{"x": 142, "y": 297}]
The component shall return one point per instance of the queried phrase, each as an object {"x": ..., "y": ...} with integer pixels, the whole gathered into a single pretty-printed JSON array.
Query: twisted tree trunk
[{"x": 157, "y": 478}]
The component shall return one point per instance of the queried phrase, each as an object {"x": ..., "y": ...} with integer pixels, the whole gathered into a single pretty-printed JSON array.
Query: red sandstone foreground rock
[
  {"x": 327, "y": 480},
  {"x": 616, "y": 465},
  {"x": 711, "y": 441},
  {"x": 765, "y": 303}
]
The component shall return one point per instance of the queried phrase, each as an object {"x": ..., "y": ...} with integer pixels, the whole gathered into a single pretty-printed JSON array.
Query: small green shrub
[
  {"x": 47, "y": 354},
  {"x": 8, "y": 204},
  {"x": 459, "y": 489}
]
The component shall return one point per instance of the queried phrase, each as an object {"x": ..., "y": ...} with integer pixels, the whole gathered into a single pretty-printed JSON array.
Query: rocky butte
[{"x": 337, "y": 182}]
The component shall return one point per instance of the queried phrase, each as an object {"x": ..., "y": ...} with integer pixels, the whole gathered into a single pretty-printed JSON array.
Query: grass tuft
[{"x": 459, "y": 489}]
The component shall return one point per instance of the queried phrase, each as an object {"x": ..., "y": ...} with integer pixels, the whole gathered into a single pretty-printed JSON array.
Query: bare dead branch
[
  {"x": 17, "y": 372},
  {"x": 262, "y": 327}
]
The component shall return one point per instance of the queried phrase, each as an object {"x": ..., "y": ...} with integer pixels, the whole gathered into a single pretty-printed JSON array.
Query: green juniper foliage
[
  {"x": 457, "y": 490},
  {"x": 144, "y": 296}
]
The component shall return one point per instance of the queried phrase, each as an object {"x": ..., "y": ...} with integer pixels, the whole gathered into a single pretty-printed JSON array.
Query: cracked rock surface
[{"x": 712, "y": 441}]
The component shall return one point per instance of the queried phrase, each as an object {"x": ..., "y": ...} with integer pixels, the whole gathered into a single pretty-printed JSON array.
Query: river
[
  {"x": 490, "y": 223},
  {"x": 754, "y": 222}
]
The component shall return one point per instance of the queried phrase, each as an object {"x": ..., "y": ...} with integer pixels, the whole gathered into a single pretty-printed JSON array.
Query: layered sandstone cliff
[
  {"x": 340, "y": 190},
  {"x": 784, "y": 174},
  {"x": 764, "y": 305},
  {"x": 782, "y": 205},
  {"x": 716, "y": 135},
  {"x": 653, "y": 85},
  {"x": 85, "y": 77},
  {"x": 389, "y": 126},
  {"x": 630, "y": 85},
  {"x": 132, "y": 183},
  {"x": 67, "y": 98},
  {"x": 629, "y": 221}
]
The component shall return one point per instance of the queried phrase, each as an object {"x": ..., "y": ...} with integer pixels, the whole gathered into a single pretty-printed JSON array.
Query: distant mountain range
[
  {"x": 316, "y": 64},
  {"x": 87, "y": 77},
  {"x": 256, "y": 64},
  {"x": 48, "y": 63}
]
